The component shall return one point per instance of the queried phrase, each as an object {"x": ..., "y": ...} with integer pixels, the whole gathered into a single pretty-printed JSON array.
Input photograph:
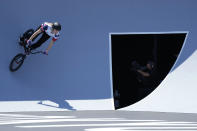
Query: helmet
[{"x": 56, "y": 26}]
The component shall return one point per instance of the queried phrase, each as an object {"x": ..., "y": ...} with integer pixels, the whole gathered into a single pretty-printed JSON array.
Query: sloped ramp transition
[
  {"x": 76, "y": 73},
  {"x": 140, "y": 62}
]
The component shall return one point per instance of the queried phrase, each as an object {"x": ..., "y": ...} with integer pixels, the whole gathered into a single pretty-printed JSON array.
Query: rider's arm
[
  {"x": 143, "y": 73},
  {"x": 50, "y": 45},
  {"x": 43, "y": 28},
  {"x": 35, "y": 34}
]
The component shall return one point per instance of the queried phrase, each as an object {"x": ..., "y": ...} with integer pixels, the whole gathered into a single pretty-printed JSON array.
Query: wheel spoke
[{"x": 16, "y": 62}]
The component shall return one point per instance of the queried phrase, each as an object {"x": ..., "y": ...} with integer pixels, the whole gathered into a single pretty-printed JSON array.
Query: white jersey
[{"x": 47, "y": 28}]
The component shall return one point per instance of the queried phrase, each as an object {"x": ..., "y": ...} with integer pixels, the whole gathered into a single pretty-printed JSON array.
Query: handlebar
[
  {"x": 28, "y": 51},
  {"x": 37, "y": 52}
]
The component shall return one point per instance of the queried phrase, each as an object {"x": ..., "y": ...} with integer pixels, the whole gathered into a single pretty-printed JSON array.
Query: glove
[
  {"x": 45, "y": 52},
  {"x": 29, "y": 42}
]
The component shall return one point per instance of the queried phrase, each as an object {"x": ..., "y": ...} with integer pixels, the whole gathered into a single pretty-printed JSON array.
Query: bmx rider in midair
[{"x": 47, "y": 30}]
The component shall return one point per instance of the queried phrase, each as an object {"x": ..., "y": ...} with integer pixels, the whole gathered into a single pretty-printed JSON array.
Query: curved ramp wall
[{"x": 76, "y": 73}]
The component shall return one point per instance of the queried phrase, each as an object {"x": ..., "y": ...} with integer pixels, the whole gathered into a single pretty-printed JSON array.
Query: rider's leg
[
  {"x": 27, "y": 37},
  {"x": 37, "y": 35},
  {"x": 43, "y": 38}
]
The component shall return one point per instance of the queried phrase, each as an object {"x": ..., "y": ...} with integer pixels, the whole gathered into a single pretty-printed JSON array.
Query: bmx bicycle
[{"x": 18, "y": 60}]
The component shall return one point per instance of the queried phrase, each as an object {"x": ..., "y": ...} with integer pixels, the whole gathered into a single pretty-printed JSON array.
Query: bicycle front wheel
[{"x": 17, "y": 62}]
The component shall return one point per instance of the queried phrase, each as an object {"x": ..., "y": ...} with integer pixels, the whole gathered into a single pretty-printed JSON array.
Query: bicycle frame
[{"x": 28, "y": 51}]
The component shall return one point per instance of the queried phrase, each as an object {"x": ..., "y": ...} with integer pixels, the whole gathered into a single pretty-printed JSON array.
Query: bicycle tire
[{"x": 14, "y": 59}]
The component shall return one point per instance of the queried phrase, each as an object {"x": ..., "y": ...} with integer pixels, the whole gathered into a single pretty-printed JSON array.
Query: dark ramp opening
[{"x": 140, "y": 62}]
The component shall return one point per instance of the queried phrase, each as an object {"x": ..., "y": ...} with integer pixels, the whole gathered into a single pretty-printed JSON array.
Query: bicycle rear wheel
[{"x": 17, "y": 62}]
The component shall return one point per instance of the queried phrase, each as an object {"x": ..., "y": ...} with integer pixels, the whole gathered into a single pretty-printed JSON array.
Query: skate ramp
[
  {"x": 177, "y": 93},
  {"x": 76, "y": 73}
]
